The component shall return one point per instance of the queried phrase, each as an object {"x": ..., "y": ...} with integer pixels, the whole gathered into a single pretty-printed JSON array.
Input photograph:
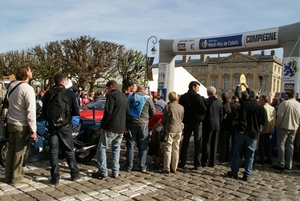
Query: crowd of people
[{"x": 235, "y": 127}]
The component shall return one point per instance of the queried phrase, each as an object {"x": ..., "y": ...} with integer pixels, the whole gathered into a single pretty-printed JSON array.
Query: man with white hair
[{"x": 211, "y": 127}]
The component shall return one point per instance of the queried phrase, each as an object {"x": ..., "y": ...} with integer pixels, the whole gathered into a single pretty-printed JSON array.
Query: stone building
[{"x": 224, "y": 72}]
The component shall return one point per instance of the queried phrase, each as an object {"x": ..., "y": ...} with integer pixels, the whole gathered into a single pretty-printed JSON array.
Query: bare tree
[
  {"x": 87, "y": 59},
  {"x": 131, "y": 66},
  {"x": 47, "y": 62}
]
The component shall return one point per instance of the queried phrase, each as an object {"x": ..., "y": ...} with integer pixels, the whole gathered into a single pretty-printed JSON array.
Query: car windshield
[{"x": 97, "y": 105}]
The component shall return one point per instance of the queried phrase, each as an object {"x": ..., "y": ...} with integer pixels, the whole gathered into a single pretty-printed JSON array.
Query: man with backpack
[{"x": 59, "y": 105}]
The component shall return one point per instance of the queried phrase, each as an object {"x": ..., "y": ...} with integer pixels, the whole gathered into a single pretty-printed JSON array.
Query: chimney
[
  {"x": 273, "y": 52},
  {"x": 185, "y": 58},
  {"x": 262, "y": 53},
  {"x": 202, "y": 57},
  {"x": 250, "y": 53}
]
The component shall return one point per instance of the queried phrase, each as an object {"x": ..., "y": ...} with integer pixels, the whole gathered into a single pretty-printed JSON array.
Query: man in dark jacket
[
  {"x": 252, "y": 117},
  {"x": 112, "y": 129},
  {"x": 211, "y": 127},
  {"x": 194, "y": 111},
  {"x": 62, "y": 134}
]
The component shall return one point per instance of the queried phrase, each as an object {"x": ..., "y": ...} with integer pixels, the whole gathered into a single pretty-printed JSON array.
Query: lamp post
[{"x": 149, "y": 61}]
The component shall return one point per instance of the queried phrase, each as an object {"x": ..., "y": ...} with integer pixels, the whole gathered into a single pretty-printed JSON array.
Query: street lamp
[{"x": 149, "y": 60}]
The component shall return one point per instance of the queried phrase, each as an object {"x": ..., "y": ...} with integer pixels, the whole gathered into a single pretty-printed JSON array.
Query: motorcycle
[{"x": 85, "y": 136}]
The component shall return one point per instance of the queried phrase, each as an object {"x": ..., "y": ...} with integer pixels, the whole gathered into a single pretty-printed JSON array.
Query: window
[
  {"x": 278, "y": 87},
  {"x": 225, "y": 83},
  {"x": 189, "y": 70},
  {"x": 202, "y": 70},
  {"x": 275, "y": 69},
  {"x": 202, "y": 81},
  {"x": 249, "y": 82},
  {"x": 214, "y": 68},
  {"x": 236, "y": 82},
  {"x": 249, "y": 68},
  {"x": 264, "y": 85},
  {"x": 195, "y": 70},
  {"x": 274, "y": 84},
  {"x": 226, "y": 68},
  {"x": 237, "y": 68},
  {"x": 264, "y": 67},
  {"x": 213, "y": 82}
]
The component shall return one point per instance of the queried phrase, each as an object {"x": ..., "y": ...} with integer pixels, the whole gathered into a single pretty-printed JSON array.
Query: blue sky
[{"x": 26, "y": 23}]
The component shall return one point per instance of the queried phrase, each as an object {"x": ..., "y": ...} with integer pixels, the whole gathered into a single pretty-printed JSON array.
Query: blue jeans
[
  {"x": 105, "y": 139},
  {"x": 139, "y": 136},
  {"x": 62, "y": 138},
  {"x": 243, "y": 140}
]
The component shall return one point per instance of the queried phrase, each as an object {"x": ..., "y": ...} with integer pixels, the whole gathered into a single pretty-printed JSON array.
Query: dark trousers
[
  {"x": 187, "y": 132},
  {"x": 209, "y": 147},
  {"x": 224, "y": 146},
  {"x": 264, "y": 148},
  {"x": 62, "y": 138}
]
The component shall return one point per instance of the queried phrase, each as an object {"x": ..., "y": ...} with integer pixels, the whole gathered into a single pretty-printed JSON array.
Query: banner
[
  {"x": 291, "y": 74},
  {"x": 162, "y": 79}
]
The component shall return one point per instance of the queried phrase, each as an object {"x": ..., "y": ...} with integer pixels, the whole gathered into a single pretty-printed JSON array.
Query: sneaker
[
  {"x": 75, "y": 178},
  {"x": 231, "y": 175},
  {"x": 22, "y": 181},
  {"x": 97, "y": 175},
  {"x": 54, "y": 181},
  {"x": 144, "y": 171},
  {"x": 115, "y": 176}
]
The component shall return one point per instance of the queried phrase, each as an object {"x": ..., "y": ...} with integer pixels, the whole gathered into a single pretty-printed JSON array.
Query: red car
[{"x": 95, "y": 110}]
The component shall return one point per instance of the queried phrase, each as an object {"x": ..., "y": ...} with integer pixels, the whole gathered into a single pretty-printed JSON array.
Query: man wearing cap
[{"x": 112, "y": 129}]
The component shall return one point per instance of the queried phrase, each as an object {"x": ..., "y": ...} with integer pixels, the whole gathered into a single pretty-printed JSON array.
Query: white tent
[{"x": 181, "y": 81}]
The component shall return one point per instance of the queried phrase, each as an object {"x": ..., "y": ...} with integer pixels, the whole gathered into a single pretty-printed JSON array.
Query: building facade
[{"x": 224, "y": 72}]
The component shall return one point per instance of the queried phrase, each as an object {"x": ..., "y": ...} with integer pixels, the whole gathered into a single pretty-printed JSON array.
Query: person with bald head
[{"x": 141, "y": 108}]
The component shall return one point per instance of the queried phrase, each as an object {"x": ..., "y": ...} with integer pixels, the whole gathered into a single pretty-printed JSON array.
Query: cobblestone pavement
[{"x": 188, "y": 184}]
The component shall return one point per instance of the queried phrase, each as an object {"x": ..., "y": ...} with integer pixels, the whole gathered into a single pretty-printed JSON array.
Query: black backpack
[{"x": 58, "y": 109}]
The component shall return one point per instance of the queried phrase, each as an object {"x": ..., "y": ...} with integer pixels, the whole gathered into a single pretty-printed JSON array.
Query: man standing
[
  {"x": 61, "y": 134},
  {"x": 194, "y": 111},
  {"x": 264, "y": 147},
  {"x": 141, "y": 107},
  {"x": 251, "y": 119},
  {"x": 287, "y": 122},
  {"x": 211, "y": 127},
  {"x": 21, "y": 120},
  {"x": 112, "y": 129}
]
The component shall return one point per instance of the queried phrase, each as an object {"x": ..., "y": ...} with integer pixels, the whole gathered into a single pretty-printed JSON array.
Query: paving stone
[
  {"x": 162, "y": 198},
  {"x": 143, "y": 198},
  {"x": 130, "y": 193}
]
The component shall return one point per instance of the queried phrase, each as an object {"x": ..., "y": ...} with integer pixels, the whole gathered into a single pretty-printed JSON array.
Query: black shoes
[
  {"x": 54, "y": 181},
  {"x": 231, "y": 175},
  {"x": 277, "y": 167},
  {"x": 97, "y": 175},
  {"x": 75, "y": 178},
  {"x": 245, "y": 177}
]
